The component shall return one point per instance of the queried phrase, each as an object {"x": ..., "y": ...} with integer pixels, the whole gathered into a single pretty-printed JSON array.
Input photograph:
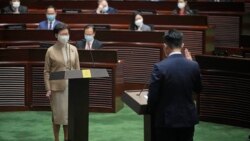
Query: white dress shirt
[
  {"x": 51, "y": 24},
  {"x": 88, "y": 45},
  {"x": 174, "y": 52}
]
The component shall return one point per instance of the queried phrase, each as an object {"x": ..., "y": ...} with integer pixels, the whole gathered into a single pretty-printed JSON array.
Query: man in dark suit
[
  {"x": 51, "y": 21},
  {"x": 174, "y": 82},
  {"x": 89, "y": 42},
  {"x": 103, "y": 8},
  {"x": 15, "y": 8}
]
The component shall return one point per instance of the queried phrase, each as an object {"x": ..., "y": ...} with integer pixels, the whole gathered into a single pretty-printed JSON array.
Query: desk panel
[{"x": 226, "y": 92}]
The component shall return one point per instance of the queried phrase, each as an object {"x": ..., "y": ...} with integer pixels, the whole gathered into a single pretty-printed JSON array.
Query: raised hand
[{"x": 188, "y": 54}]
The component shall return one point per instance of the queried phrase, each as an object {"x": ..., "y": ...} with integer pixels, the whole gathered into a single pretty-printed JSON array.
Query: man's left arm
[{"x": 154, "y": 87}]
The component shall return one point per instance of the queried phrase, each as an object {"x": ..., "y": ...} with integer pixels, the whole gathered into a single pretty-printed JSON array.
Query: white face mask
[
  {"x": 139, "y": 22},
  {"x": 181, "y": 5},
  {"x": 64, "y": 39},
  {"x": 105, "y": 9},
  {"x": 16, "y": 4}
]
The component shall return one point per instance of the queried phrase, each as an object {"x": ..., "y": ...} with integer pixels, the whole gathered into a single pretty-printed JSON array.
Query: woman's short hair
[
  {"x": 132, "y": 23},
  {"x": 59, "y": 27}
]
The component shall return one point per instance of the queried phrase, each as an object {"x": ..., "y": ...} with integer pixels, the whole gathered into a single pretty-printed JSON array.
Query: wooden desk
[
  {"x": 226, "y": 92},
  {"x": 232, "y": 52},
  {"x": 133, "y": 5},
  {"x": 247, "y": 5},
  {"x": 226, "y": 16},
  {"x": 160, "y": 22},
  {"x": 22, "y": 86},
  {"x": 198, "y": 45},
  {"x": 245, "y": 41},
  {"x": 139, "y": 50}
]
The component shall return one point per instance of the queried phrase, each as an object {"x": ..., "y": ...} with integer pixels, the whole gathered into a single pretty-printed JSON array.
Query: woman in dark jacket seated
[
  {"x": 182, "y": 8},
  {"x": 137, "y": 23}
]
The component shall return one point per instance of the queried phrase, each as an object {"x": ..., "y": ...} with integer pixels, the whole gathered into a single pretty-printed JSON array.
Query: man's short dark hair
[
  {"x": 90, "y": 26},
  {"x": 59, "y": 27},
  {"x": 173, "y": 38},
  {"x": 51, "y": 6}
]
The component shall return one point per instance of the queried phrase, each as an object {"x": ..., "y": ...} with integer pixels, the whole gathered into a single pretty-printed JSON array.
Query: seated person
[
  {"x": 51, "y": 21},
  {"x": 137, "y": 23},
  {"x": 103, "y": 8},
  {"x": 89, "y": 42},
  {"x": 182, "y": 8},
  {"x": 15, "y": 8}
]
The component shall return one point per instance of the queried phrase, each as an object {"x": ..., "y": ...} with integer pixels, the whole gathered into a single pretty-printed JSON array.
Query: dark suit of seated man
[
  {"x": 89, "y": 42},
  {"x": 51, "y": 21},
  {"x": 103, "y": 8},
  {"x": 171, "y": 103},
  {"x": 15, "y": 8}
]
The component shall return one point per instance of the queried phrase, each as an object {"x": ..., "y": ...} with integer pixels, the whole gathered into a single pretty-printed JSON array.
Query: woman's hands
[{"x": 48, "y": 94}]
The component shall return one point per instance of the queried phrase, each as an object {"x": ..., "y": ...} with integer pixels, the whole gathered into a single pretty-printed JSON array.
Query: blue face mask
[
  {"x": 89, "y": 38},
  {"x": 105, "y": 9},
  {"x": 51, "y": 17}
]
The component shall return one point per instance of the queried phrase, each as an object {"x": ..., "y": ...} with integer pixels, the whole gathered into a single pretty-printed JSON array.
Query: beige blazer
[{"x": 54, "y": 61}]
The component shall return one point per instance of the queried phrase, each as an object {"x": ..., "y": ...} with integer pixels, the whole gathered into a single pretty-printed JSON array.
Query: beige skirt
[{"x": 59, "y": 106}]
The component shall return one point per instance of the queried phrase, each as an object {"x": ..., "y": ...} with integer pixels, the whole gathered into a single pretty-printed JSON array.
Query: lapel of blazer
[
  {"x": 93, "y": 44},
  {"x": 83, "y": 43}
]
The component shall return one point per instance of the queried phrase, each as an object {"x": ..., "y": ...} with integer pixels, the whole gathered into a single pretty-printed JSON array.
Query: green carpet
[{"x": 122, "y": 126}]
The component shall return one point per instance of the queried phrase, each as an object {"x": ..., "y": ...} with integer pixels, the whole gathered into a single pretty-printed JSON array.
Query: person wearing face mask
[
  {"x": 103, "y": 8},
  {"x": 51, "y": 21},
  {"x": 137, "y": 23},
  {"x": 182, "y": 8},
  {"x": 15, "y": 7},
  {"x": 89, "y": 41},
  {"x": 174, "y": 85},
  {"x": 62, "y": 56}
]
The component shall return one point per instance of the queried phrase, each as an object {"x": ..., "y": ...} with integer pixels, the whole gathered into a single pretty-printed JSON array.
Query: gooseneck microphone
[
  {"x": 144, "y": 86},
  {"x": 91, "y": 55},
  {"x": 68, "y": 53}
]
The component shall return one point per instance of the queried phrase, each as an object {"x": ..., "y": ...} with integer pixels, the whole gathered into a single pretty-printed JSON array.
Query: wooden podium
[
  {"x": 78, "y": 112},
  {"x": 137, "y": 101}
]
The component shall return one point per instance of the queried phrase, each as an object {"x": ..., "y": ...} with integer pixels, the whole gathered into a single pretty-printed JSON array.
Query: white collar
[{"x": 174, "y": 52}]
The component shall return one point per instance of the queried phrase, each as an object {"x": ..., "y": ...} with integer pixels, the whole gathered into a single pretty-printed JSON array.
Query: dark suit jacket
[
  {"x": 170, "y": 101},
  {"x": 8, "y": 9},
  {"x": 111, "y": 10},
  {"x": 44, "y": 24},
  {"x": 187, "y": 12},
  {"x": 82, "y": 43}
]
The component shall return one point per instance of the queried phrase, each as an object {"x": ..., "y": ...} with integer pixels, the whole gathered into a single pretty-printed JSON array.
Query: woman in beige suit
[{"x": 60, "y": 57}]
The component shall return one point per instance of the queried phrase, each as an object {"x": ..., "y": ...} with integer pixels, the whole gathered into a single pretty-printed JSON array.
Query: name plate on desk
[{"x": 86, "y": 73}]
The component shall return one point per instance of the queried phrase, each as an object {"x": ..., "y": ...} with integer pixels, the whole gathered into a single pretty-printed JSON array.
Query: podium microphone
[
  {"x": 69, "y": 54},
  {"x": 92, "y": 57},
  {"x": 144, "y": 86}
]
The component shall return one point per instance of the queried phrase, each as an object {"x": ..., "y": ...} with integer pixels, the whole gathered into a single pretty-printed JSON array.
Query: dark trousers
[{"x": 173, "y": 134}]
